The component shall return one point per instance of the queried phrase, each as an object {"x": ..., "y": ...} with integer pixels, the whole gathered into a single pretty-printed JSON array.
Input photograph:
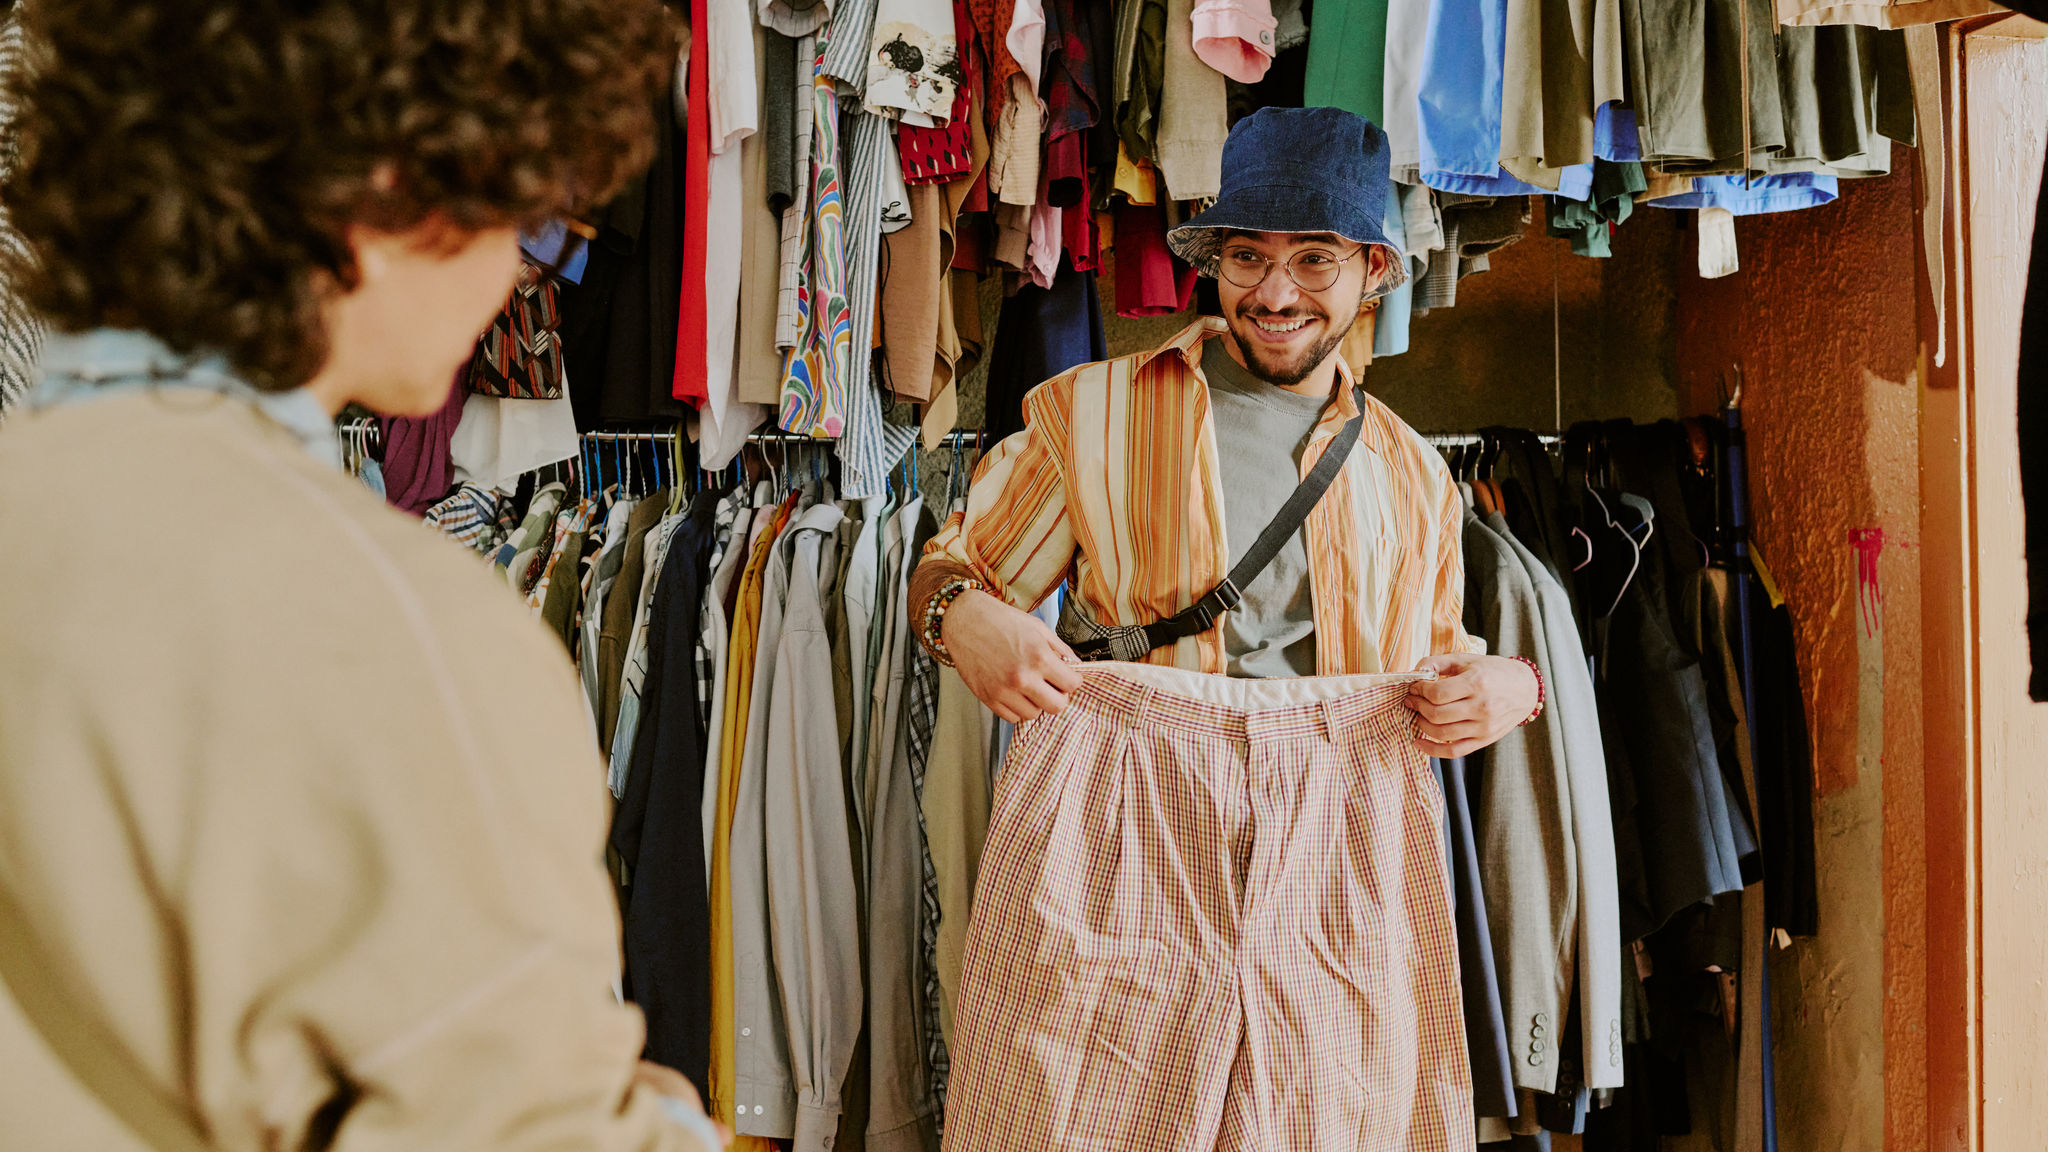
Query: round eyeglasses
[{"x": 1311, "y": 271}]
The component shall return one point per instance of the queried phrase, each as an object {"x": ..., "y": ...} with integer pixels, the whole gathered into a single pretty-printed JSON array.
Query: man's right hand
[{"x": 1008, "y": 658}]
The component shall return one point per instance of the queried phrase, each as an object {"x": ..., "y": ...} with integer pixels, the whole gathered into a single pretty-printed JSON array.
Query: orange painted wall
[{"x": 1822, "y": 322}]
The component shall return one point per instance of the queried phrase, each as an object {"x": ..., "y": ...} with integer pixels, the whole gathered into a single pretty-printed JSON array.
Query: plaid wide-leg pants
[{"x": 1213, "y": 914}]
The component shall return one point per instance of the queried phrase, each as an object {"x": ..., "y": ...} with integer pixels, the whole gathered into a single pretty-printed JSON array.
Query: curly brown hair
[{"x": 191, "y": 168}]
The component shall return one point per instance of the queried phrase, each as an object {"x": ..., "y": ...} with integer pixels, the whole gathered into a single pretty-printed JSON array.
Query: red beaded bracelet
[
  {"x": 931, "y": 629},
  {"x": 1538, "y": 673}
]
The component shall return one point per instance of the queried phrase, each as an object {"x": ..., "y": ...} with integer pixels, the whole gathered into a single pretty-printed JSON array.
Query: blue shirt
[
  {"x": 1783, "y": 192},
  {"x": 79, "y": 368},
  {"x": 1459, "y": 105}
]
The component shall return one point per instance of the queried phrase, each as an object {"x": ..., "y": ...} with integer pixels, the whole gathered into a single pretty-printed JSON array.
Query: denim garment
[
  {"x": 1783, "y": 192},
  {"x": 1300, "y": 170},
  {"x": 108, "y": 362}
]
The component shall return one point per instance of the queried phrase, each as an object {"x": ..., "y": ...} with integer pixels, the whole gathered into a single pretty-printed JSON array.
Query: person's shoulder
[
  {"x": 194, "y": 500},
  {"x": 1098, "y": 382}
]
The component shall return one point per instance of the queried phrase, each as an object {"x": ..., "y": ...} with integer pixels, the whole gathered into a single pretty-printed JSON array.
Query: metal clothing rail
[
  {"x": 367, "y": 427},
  {"x": 1474, "y": 439}
]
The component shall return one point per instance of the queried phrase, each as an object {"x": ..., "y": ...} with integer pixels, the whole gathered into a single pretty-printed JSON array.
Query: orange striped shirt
[{"x": 1113, "y": 487}]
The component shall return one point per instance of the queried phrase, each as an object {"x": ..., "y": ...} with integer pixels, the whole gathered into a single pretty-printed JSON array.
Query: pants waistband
[{"x": 1240, "y": 709}]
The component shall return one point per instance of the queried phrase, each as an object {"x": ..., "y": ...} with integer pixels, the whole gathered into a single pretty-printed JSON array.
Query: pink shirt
[{"x": 1235, "y": 37}]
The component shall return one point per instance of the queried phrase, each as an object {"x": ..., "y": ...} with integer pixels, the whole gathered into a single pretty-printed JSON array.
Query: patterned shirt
[
  {"x": 472, "y": 515},
  {"x": 1113, "y": 486},
  {"x": 21, "y": 333}
]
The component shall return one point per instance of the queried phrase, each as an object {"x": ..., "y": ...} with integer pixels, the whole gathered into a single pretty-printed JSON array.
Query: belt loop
[
  {"x": 1144, "y": 709},
  {"x": 1330, "y": 721}
]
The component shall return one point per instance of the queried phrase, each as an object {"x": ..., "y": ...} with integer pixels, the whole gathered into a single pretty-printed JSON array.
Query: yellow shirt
[{"x": 739, "y": 689}]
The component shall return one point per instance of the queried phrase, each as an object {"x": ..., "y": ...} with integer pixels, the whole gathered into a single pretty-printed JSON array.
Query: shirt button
[
  {"x": 757, "y": 1109},
  {"x": 746, "y": 1031}
]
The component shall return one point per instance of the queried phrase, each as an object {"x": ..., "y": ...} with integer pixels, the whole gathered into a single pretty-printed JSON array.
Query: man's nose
[{"x": 1278, "y": 292}]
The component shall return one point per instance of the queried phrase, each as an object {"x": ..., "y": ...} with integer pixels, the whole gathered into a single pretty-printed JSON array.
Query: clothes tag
[{"x": 1717, "y": 243}]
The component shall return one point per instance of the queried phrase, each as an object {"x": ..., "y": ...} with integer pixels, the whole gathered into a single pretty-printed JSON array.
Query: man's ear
[{"x": 1376, "y": 268}]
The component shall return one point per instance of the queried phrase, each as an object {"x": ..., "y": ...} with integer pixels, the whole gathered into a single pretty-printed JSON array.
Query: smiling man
[
  {"x": 1144, "y": 480},
  {"x": 1211, "y": 910}
]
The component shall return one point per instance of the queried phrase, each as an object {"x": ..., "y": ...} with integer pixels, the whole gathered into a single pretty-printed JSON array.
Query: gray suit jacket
[
  {"x": 1523, "y": 818},
  {"x": 1575, "y": 713}
]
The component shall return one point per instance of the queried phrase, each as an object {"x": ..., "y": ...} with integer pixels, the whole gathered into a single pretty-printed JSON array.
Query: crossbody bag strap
[{"x": 1130, "y": 642}]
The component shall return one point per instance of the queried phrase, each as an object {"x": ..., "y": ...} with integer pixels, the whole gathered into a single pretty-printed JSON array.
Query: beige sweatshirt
[{"x": 298, "y": 802}]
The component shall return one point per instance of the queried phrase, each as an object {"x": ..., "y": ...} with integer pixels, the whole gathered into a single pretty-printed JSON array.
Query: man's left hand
[{"x": 1474, "y": 701}]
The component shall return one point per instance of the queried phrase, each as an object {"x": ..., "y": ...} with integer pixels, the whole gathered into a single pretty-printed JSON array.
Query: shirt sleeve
[{"x": 1015, "y": 534}]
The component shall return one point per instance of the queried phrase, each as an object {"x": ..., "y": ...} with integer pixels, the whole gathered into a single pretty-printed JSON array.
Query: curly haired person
[{"x": 300, "y": 829}]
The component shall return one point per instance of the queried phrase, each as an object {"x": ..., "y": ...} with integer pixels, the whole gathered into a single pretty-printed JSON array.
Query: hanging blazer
[
  {"x": 1576, "y": 714},
  {"x": 1528, "y": 861}
]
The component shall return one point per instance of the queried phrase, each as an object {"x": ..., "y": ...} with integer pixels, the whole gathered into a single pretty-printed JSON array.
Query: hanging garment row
[
  {"x": 746, "y": 658},
  {"x": 1622, "y": 864},
  {"x": 868, "y": 165}
]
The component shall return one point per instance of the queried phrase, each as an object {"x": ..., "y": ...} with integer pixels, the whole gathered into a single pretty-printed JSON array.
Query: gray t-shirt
[{"x": 1272, "y": 633}]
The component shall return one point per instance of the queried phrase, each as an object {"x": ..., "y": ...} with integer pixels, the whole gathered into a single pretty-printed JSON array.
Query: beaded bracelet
[
  {"x": 1538, "y": 672},
  {"x": 933, "y": 624}
]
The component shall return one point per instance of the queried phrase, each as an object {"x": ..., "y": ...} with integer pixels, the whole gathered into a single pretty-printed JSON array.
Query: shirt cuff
[
  {"x": 1235, "y": 42},
  {"x": 816, "y": 1129}
]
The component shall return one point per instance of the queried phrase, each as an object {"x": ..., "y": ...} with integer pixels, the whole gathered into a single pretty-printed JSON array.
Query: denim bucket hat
[{"x": 1298, "y": 170}]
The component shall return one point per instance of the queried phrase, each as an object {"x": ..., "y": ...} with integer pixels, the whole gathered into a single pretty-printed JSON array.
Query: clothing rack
[
  {"x": 363, "y": 426},
  {"x": 1474, "y": 439},
  {"x": 367, "y": 427}
]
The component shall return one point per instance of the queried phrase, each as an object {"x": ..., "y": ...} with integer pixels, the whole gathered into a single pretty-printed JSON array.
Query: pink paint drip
[{"x": 1869, "y": 544}]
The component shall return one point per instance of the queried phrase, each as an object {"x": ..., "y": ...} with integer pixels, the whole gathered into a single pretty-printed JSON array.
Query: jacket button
[
  {"x": 1543, "y": 1017},
  {"x": 1535, "y": 1029},
  {"x": 1535, "y": 1046},
  {"x": 1535, "y": 1059}
]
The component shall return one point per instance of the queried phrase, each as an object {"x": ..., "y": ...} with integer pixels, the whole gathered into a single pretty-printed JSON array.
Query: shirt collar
[
  {"x": 82, "y": 367},
  {"x": 1187, "y": 344}
]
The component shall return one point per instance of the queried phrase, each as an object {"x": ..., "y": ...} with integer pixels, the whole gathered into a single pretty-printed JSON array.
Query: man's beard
[{"x": 1292, "y": 370}]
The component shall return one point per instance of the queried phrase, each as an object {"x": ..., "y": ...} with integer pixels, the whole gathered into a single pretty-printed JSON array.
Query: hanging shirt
[
  {"x": 813, "y": 895},
  {"x": 815, "y": 370},
  {"x": 1458, "y": 102},
  {"x": 913, "y": 59},
  {"x": 734, "y": 882},
  {"x": 1193, "y": 113},
  {"x": 735, "y": 97},
  {"x": 1756, "y": 194},
  {"x": 1235, "y": 37}
]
